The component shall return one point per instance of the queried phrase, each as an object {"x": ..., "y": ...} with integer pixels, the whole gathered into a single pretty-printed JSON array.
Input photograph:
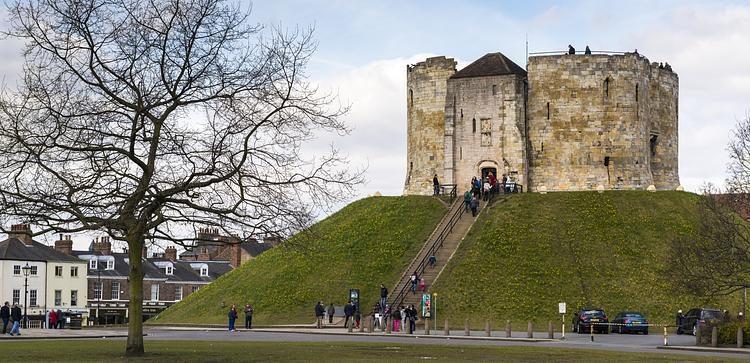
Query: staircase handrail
[{"x": 447, "y": 229}]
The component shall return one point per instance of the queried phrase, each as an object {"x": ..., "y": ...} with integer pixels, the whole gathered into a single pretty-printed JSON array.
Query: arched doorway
[{"x": 486, "y": 172}]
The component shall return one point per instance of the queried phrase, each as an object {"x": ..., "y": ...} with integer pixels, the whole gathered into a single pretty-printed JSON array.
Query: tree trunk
[{"x": 135, "y": 308}]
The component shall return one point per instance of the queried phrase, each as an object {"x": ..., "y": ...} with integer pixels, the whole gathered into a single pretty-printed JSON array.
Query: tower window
[
  {"x": 636, "y": 93},
  {"x": 547, "y": 110},
  {"x": 652, "y": 144},
  {"x": 474, "y": 125},
  {"x": 606, "y": 88},
  {"x": 494, "y": 90},
  {"x": 411, "y": 97}
]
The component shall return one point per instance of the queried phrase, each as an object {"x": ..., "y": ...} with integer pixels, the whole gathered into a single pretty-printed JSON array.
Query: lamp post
[{"x": 26, "y": 270}]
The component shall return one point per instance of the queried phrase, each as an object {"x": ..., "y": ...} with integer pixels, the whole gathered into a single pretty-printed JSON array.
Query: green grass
[
  {"x": 204, "y": 351},
  {"x": 367, "y": 243},
  {"x": 527, "y": 254}
]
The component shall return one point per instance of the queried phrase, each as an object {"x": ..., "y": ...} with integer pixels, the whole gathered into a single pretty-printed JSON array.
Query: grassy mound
[
  {"x": 527, "y": 254},
  {"x": 364, "y": 244}
]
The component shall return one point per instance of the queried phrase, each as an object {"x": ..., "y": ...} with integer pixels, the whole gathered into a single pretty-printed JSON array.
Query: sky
[{"x": 365, "y": 46}]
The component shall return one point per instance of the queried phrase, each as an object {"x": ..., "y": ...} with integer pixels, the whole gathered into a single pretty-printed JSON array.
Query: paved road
[{"x": 625, "y": 342}]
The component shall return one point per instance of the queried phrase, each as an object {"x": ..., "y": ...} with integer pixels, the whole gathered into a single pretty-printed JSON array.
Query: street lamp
[{"x": 26, "y": 270}]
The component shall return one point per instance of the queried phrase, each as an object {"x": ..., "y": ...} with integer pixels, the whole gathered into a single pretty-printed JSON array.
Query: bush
[{"x": 728, "y": 332}]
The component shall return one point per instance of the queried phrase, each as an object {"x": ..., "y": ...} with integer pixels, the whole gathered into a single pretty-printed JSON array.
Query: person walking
[
  {"x": 319, "y": 312},
  {"x": 52, "y": 319},
  {"x": 467, "y": 200},
  {"x": 331, "y": 312},
  {"x": 505, "y": 183},
  {"x": 436, "y": 185},
  {"x": 486, "y": 190},
  {"x": 248, "y": 316},
  {"x": 15, "y": 315},
  {"x": 493, "y": 184},
  {"x": 396, "y": 316},
  {"x": 474, "y": 206},
  {"x": 5, "y": 315},
  {"x": 421, "y": 285},
  {"x": 477, "y": 187},
  {"x": 404, "y": 318},
  {"x": 232, "y": 317},
  {"x": 60, "y": 319},
  {"x": 383, "y": 296},
  {"x": 412, "y": 319},
  {"x": 414, "y": 279},
  {"x": 679, "y": 319},
  {"x": 348, "y": 313}
]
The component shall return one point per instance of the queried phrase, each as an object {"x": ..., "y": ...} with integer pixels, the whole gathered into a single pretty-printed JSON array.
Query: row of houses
[{"x": 94, "y": 282}]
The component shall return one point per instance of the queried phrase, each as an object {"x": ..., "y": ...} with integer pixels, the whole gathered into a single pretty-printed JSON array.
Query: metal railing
[
  {"x": 447, "y": 229},
  {"x": 450, "y": 190}
]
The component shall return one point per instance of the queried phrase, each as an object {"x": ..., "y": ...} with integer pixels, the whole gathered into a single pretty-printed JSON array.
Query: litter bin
[{"x": 75, "y": 321}]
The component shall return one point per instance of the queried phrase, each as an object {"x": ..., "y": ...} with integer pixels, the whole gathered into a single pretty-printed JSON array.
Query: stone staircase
[{"x": 451, "y": 229}]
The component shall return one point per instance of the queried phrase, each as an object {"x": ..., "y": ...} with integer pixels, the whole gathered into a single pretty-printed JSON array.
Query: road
[{"x": 616, "y": 342}]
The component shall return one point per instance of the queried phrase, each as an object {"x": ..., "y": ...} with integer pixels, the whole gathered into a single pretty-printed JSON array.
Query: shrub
[{"x": 728, "y": 332}]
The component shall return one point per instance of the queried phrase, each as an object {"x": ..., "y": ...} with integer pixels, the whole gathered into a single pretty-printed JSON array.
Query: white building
[{"x": 55, "y": 281}]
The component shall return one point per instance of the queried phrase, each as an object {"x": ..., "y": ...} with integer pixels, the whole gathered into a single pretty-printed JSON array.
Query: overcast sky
[{"x": 364, "y": 47}]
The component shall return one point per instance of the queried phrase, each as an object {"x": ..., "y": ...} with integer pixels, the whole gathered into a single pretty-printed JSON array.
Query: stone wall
[
  {"x": 590, "y": 122},
  {"x": 426, "y": 87},
  {"x": 484, "y": 128}
]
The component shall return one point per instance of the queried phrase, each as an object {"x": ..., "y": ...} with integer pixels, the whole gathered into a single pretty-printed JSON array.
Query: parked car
[
  {"x": 696, "y": 317},
  {"x": 583, "y": 320},
  {"x": 630, "y": 321}
]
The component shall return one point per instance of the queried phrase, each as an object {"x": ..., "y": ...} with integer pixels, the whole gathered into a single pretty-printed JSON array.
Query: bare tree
[
  {"x": 143, "y": 117},
  {"x": 739, "y": 158}
]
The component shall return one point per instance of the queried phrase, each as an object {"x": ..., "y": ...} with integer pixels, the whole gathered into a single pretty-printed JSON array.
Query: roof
[
  {"x": 256, "y": 248},
  {"x": 492, "y": 64},
  {"x": 121, "y": 269},
  {"x": 15, "y": 249},
  {"x": 183, "y": 271}
]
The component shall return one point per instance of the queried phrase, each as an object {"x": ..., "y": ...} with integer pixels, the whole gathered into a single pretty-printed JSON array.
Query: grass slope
[
  {"x": 527, "y": 254},
  {"x": 364, "y": 244}
]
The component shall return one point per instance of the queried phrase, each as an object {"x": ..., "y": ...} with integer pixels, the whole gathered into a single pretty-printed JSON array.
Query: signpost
[
  {"x": 434, "y": 309},
  {"x": 562, "y": 308}
]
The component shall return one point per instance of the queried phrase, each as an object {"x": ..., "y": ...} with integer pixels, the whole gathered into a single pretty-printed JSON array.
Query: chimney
[
  {"x": 272, "y": 240},
  {"x": 22, "y": 232},
  {"x": 236, "y": 256},
  {"x": 64, "y": 244},
  {"x": 204, "y": 255},
  {"x": 170, "y": 253},
  {"x": 102, "y": 246},
  {"x": 207, "y": 234}
]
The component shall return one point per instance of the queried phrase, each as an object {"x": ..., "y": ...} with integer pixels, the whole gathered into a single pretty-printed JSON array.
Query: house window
[
  {"x": 16, "y": 296},
  {"x": 115, "y": 291},
  {"x": 17, "y": 270},
  {"x": 606, "y": 88},
  {"x": 177, "y": 293},
  {"x": 74, "y": 271},
  {"x": 110, "y": 264},
  {"x": 58, "y": 297},
  {"x": 73, "y": 297},
  {"x": 204, "y": 271},
  {"x": 196, "y": 288},
  {"x": 32, "y": 298},
  {"x": 34, "y": 270},
  {"x": 58, "y": 271},
  {"x": 494, "y": 90},
  {"x": 170, "y": 270},
  {"x": 98, "y": 290},
  {"x": 474, "y": 125},
  {"x": 486, "y": 132},
  {"x": 93, "y": 264},
  {"x": 155, "y": 292}
]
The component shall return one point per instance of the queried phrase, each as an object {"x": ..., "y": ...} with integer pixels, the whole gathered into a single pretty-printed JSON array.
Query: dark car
[
  {"x": 630, "y": 321},
  {"x": 695, "y": 318},
  {"x": 587, "y": 317}
]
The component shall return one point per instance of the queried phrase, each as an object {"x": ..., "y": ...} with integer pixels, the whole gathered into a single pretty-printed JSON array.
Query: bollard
[
  {"x": 698, "y": 335},
  {"x": 371, "y": 325},
  {"x": 350, "y": 325},
  {"x": 592, "y": 331},
  {"x": 666, "y": 341},
  {"x": 388, "y": 326},
  {"x": 487, "y": 331},
  {"x": 466, "y": 328},
  {"x": 530, "y": 330},
  {"x": 714, "y": 337},
  {"x": 508, "y": 329},
  {"x": 551, "y": 331},
  {"x": 426, "y": 326},
  {"x": 362, "y": 325},
  {"x": 740, "y": 337},
  {"x": 384, "y": 324},
  {"x": 446, "y": 330}
]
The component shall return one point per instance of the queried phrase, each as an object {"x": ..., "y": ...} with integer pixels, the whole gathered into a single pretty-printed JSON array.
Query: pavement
[{"x": 654, "y": 343}]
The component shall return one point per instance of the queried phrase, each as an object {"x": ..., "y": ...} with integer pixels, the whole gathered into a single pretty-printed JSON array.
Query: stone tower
[
  {"x": 607, "y": 120},
  {"x": 485, "y": 121},
  {"x": 425, "y": 98}
]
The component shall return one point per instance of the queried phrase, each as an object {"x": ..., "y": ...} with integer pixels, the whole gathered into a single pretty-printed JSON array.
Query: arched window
[{"x": 606, "y": 87}]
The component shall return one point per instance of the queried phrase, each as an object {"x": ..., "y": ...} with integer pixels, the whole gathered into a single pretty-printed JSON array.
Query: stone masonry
[{"x": 573, "y": 122}]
